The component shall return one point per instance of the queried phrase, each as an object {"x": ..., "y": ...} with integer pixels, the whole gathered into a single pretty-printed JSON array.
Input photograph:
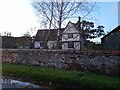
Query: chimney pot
[{"x": 79, "y": 18}]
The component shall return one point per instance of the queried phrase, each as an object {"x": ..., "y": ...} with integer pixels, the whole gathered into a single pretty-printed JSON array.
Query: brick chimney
[
  {"x": 79, "y": 23},
  {"x": 79, "y": 18}
]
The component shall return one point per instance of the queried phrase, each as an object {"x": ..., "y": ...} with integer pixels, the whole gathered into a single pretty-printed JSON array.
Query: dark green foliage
[{"x": 93, "y": 46}]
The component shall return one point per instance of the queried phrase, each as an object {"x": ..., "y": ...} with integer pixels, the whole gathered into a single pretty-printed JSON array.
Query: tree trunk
[
  {"x": 60, "y": 23},
  {"x": 47, "y": 37}
]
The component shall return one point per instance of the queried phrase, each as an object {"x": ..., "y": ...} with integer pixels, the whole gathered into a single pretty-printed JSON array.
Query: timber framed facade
[{"x": 72, "y": 38}]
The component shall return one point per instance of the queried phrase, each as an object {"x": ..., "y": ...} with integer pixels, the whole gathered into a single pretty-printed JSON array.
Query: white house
[
  {"x": 71, "y": 37},
  {"x": 41, "y": 35}
]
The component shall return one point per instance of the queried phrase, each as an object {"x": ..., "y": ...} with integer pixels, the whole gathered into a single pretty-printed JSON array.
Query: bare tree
[
  {"x": 55, "y": 13},
  {"x": 50, "y": 23},
  {"x": 27, "y": 34}
]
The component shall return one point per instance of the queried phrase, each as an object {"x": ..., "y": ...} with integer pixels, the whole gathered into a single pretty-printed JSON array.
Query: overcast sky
[{"x": 18, "y": 16}]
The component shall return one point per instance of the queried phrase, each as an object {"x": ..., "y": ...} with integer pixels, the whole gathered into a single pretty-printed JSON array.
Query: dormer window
[{"x": 70, "y": 35}]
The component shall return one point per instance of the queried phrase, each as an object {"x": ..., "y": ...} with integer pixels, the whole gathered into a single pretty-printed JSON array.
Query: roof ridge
[{"x": 113, "y": 30}]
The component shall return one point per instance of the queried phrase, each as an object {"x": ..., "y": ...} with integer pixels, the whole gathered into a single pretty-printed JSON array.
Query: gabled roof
[
  {"x": 42, "y": 33},
  {"x": 114, "y": 30},
  {"x": 76, "y": 25}
]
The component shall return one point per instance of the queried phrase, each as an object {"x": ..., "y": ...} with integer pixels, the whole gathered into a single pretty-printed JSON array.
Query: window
[
  {"x": 70, "y": 35},
  {"x": 70, "y": 44},
  {"x": 41, "y": 44},
  {"x": 36, "y": 45}
]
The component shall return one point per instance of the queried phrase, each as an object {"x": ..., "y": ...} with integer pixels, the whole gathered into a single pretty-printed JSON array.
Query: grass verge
[{"x": 38, "y": 74}]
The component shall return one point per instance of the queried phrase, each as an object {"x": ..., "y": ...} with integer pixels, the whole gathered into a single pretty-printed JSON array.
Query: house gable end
[
  {"x": 70, "y": 28},
  {"x": 113, "y": 31}
]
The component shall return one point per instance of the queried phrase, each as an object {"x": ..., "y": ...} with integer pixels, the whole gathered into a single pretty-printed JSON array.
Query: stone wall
[{"x": 101, "y": 62}]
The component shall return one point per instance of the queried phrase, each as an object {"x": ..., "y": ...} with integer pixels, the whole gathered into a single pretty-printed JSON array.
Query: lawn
[{"x": 63, "y": 77}]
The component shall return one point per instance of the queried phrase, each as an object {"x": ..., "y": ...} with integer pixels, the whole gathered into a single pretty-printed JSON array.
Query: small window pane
[{"x": 70, "y": 35}]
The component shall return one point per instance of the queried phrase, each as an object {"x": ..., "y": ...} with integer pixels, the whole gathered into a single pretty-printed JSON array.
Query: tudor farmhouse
[{"x": 71, "y": 37}]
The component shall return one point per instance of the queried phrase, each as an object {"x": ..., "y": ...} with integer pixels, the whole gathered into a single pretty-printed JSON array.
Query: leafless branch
[{"x": 89, "y": 11}]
